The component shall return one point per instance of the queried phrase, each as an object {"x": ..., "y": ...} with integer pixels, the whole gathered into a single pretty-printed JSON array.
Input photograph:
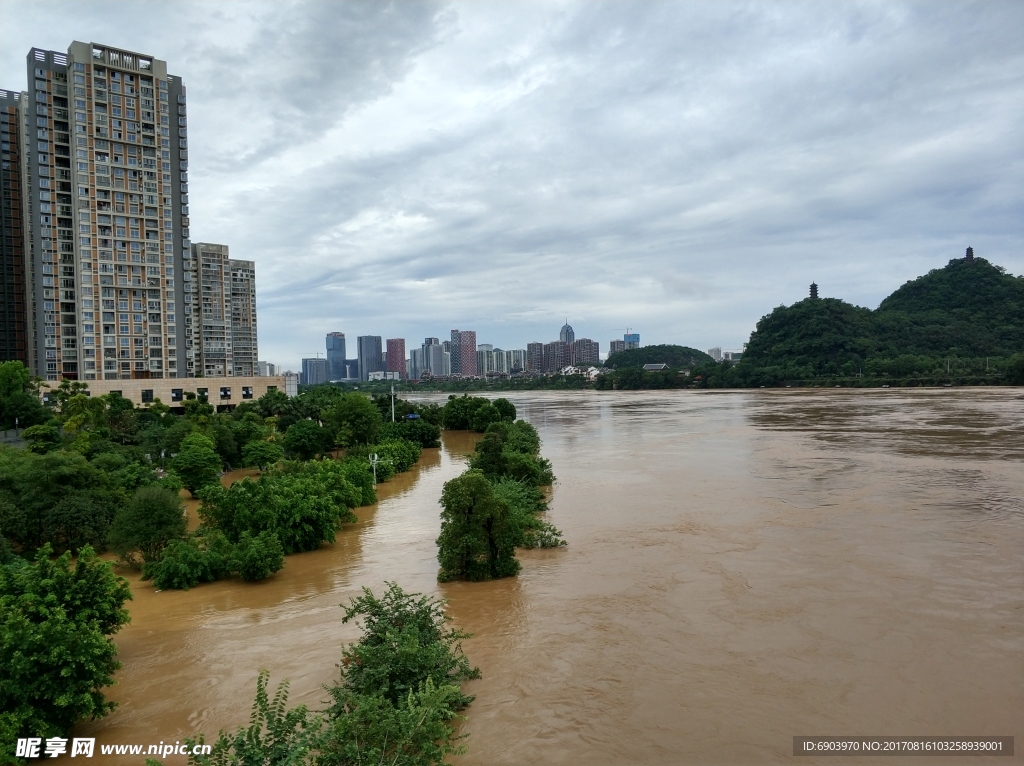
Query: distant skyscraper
[
  {"x": 396, "y": 357},
  {"x": 632, "y": 340},
  {"x": 208, "y": 324},
  {"x": 314, "y": 371},
  {"x": 615, "y": 346},
  {"x": 535, "y": 357},
  {"x": 516, "y": 359},
  {"x": 715, "y": 353},
  {"x": 370, "y": 355},
  {"x": 556, "y": 356},
  {"x": 263, "y": 369},
  {"x": 463, "y": 351},
  {"x": 336, "y": 355},
  {"x": 585, "y": 351},
  {"x": 566, "y": 334}
]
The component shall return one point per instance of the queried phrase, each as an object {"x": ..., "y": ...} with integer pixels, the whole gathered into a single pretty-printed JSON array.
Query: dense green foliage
[
  {"x": 302, "y": 503},
  {"x": 474, "y": 413},
  {"x": 493, "y": 508},
  {"x": 56, "y": 620},
  {"x": 305, "y": 439},
  {"x": 964, "y": 320},
  {"x": 396, "y": 702},
  {"x": 153, "y": 517},
  {"x": 197, "y": 464},
  {"x": 256, "y": 558},
  {"x": 19, "y": 399},
  {"x": 419, "y": 431},
  {"x": 354, "y": 420},
  {"x": 674, "y": 356},
  {"x": 477, "y": 540},
  {"x": 189, "y": 561}
]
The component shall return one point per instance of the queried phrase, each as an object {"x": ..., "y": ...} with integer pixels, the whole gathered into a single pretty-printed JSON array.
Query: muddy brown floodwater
[{"x": 742, "y": 567}]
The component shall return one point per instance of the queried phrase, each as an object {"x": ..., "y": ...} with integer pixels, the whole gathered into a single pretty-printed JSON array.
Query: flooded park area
[{"x": 743, "y": 567}]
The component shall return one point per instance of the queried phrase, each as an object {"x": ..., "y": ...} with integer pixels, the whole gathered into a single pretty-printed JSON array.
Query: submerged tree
[{"x": 477, "y": 540}]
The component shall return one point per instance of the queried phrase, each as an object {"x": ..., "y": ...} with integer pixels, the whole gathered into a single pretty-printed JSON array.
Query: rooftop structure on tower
[{"x": 566, "y": 334}]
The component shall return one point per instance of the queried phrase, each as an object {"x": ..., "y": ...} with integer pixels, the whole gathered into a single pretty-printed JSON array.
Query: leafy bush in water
[
  {"x": 478, "y": 537},
  {"x": 512, "y": 450},
  {"x": 525, "y": 502},
  {"x": 153, "y": 517},
  {"x": 188, "y": 562},
  {"x": 256, "y": 558},
  {"x": 417, "y": 431},
  {"x": 262, "y": 454},
  {"x": 302, "y": 503},
  {"x": 396, "y": 702}
]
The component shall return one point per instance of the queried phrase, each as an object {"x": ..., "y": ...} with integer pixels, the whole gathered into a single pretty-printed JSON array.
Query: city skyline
[{"x": 480, "y": 166}]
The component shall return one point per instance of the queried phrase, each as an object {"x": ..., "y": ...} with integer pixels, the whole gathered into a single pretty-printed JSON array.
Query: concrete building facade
[
  {"x": 243, "y": 318},
  {"x": 14, "y": 322},
  {"x": 585, "y": 351},
  {"x": 314, "y": 371},
  {"x": 105, "y": 187},
  {"x": 463, "y": 353}
]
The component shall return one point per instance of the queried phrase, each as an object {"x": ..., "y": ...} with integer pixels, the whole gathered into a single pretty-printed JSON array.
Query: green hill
[
  {"x": 970, "y": 311},
  {"x": 673, "y": 356}
]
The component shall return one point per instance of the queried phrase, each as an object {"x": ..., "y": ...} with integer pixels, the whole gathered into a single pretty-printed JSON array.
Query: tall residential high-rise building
[
  {"x": 265, "y": 369},
  {"x": 615, "y": 346},
  {"x": 463, "y": 353},
  {"x": 396, "y": 357},
  {"x": 632, "y": 340},
  {"x": 336, "y": 356},
  {"x": 535, "y": 357},
  {"x": 370, "y": 355},
  {"x": 516, "y": 359},
  {"x": 209, "y": 339},
  {"x": 14, "y": 324},
  {"x": 105, "y": 185},
  {"x": 220, "y": 313},
  {"x": 715, "y": 353},
  {"x": 585, "y": 351},
  {"x": 556, "y": 356},
  {"x": 435, "y": 358},
  {"x": 314, "y": 371},
  {"x": 566, "y": 334},
  {"x": 243, "y": 318}
]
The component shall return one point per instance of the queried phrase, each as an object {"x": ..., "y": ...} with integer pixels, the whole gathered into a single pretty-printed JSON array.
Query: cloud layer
[{"x": 405, "y": 168}]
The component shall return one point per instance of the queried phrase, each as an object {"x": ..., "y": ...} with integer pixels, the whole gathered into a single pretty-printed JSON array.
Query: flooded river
[{"x": 742, "y": 567}]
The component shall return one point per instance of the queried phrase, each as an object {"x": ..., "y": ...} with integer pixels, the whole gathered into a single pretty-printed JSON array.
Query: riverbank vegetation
[
  {"x": 396, "y": 701},
  {"x": 56, "y": 651},
  {"x": 496, "y": 505}
]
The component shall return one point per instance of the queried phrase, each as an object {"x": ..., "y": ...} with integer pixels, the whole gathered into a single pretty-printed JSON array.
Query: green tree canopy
[
  {"x": 477, "y": 540},
  {"x": 152, "y": 518},
  {"x": 197, "y": 464},
  {"x": 57, "y": 656}
]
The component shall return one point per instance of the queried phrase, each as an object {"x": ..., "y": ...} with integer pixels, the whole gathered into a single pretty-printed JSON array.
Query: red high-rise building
[
  {"x": 396, "y": 357},
  {"x": 463, "y": 353}
]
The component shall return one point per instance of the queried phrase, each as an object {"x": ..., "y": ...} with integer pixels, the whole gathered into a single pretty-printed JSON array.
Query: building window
[
  {"x": 147, "y": 396},
  {"x": 176, "y": 394},
  {"x": 225, "y": 392},
  {"x": 247, "y": 392}
]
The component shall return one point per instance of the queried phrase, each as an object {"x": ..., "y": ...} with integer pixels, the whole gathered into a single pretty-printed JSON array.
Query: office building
[
  {"x": 435, "y": 359},
  {"x": 105, "y": 206},
  {"x": 336, "y": 356},
  {"x": 14, "y": 335},
  {"x": 463, "y": 353},
  {"x": 585, "y": 351},
  {"x": 314, "y": 372},
  {"x": 396, "y": 357},
  {"x": 535, "y": 357},
  {"x": 566, "y": 334},
  {"x": 416, "y": 365},
  {"x": 371, "y": 357}
]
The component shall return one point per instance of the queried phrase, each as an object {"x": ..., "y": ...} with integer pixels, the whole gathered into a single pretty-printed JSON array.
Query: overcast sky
[{"x": 680, "y": 168}]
